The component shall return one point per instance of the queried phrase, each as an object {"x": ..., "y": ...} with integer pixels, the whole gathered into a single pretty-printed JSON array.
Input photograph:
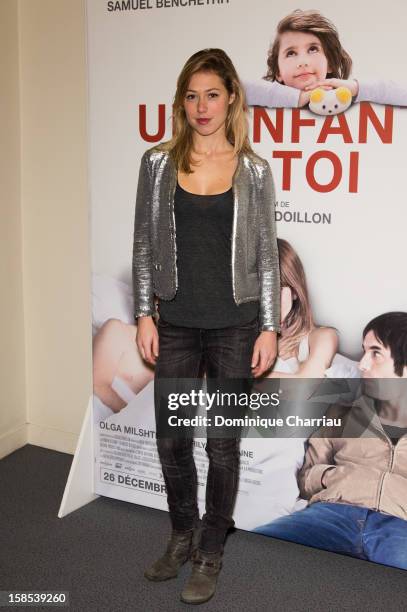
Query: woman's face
[
  {"x": 286, "y": 302},
  {"x": 206, "y": 103},
  {"x": 301, "y": 60}
]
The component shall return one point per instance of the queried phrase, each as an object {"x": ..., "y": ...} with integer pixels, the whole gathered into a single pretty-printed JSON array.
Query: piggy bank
[{"x": 331, "y": 101}]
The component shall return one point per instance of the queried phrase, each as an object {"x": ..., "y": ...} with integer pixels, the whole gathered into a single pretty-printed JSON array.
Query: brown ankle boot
[
  {"x": 178, "y": 551},
  {"x": 201, "y": 585}
]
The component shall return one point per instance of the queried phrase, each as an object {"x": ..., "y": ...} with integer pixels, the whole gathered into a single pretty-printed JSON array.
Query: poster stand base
[{"x": 79, "y": 486}]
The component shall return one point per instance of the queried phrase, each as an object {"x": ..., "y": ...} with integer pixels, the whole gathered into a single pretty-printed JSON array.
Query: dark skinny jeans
[{"x": 187, "y": 353}]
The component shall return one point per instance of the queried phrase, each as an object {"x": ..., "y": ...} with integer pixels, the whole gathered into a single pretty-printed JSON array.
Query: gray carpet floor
[{"x": 99, "y": 552}]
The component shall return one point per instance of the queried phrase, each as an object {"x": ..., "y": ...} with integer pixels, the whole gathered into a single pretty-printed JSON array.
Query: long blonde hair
[
  {"x": 218, "y": 62},
  {"x": 299, "y": 321}
]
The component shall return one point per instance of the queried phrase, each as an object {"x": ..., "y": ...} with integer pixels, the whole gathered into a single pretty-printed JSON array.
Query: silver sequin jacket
[{"x": 254, "y": 255}]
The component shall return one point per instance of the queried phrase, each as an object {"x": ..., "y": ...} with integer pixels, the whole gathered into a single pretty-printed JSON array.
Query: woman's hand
[
  {"x": 351, "y": 84},
  {"x": 264, "y": 352},
  {"x": 147, "y": 339}
]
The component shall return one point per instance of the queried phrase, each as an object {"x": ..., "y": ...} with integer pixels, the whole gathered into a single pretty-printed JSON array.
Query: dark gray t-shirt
[
  {"x": 394, "y": 433},
  {"x": 203, "y": 239}
]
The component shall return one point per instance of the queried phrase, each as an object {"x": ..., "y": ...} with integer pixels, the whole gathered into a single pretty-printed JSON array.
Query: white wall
[
  {"x": 45, "y": 259},
  {"x": 54, "y": 194},
  {"x": 12, "y": 360}
]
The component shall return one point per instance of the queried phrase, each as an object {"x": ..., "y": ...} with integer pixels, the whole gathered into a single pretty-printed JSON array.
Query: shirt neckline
[{"x": 204, "y": 195}]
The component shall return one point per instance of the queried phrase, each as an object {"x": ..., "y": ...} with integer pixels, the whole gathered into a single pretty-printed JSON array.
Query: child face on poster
[
  {"x": 301, "y": 60},
  {"x": 307, "y": 53}
]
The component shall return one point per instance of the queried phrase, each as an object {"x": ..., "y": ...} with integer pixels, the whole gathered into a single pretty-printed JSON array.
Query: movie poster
[{"x": 338, "y": 167}]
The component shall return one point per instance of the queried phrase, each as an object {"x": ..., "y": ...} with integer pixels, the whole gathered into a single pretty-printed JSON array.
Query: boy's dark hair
[
  {"x": 391, "y": 329},
  {"x": 312, "y": 22}
]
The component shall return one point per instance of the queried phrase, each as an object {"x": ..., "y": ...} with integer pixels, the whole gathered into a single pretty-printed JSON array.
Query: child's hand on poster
[
  {"x": 305, "y": 94},
  {"x": 351, "y": 84}
]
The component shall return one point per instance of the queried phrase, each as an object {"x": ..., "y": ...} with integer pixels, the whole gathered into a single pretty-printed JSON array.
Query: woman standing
[{"x": 205, "y": 246}]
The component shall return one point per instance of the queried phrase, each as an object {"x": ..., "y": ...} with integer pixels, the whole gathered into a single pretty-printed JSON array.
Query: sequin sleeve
[
  {"x": 142, "y": 256},
  {"x": 268, "y": 264}
]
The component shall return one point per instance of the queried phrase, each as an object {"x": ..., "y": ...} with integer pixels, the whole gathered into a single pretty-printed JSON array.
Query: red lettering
[
  {"x": 337, "y": 171},
  {"x": 159, "y": 135},
  {"x": 384, "y": 131},
  {"x": 276, "y": 130},
  {"x": 342, "y": 129},
  {"x": 287, "y": 156},
  {"x": 353, "y": 172},
  {"x": 297, "y": 122}
]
